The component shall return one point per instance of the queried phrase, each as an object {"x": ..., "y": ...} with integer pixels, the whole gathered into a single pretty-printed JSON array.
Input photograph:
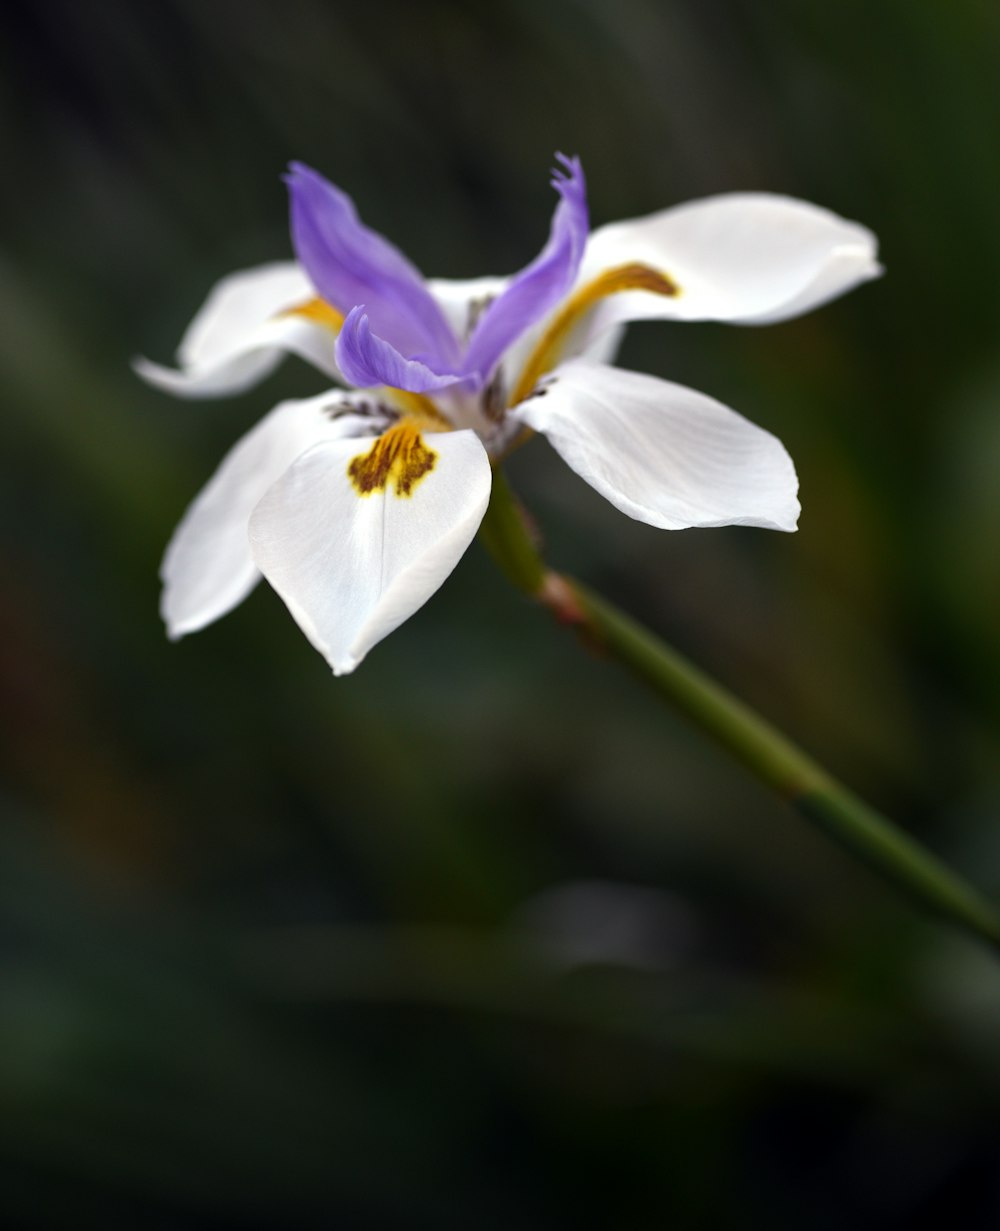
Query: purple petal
[
  {"x": 540, "y": 285},
  {"x": 367, "y": 360},
  {"x": 349, "y": 264}
]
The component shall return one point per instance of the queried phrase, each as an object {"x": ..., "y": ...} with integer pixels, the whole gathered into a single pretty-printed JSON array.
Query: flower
[{"x": 358, "y": 503}]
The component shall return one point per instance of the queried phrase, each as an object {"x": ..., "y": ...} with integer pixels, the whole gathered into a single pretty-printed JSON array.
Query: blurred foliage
[{"x": 479, "y": 936}]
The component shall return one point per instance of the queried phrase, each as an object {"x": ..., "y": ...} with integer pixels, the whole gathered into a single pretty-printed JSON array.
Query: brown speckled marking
[{"x": 399, "y": 457}]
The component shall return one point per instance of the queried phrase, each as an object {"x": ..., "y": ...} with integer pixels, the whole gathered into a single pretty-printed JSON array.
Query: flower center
[{"x": 399, "y": 457}]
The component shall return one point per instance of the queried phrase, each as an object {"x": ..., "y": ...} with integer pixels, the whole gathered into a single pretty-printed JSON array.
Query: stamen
[
  {"x": 493, "y": 399},
  {"x": 399, "y": 457},
  {"x": 632, "y": 277},
  {"x": 474, "y": 311}
]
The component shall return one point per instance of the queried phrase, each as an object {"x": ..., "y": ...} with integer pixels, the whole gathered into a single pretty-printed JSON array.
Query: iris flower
[{"x": 358, "y": 503}]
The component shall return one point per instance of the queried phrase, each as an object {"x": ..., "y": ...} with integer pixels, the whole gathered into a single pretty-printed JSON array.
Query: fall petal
[
  {"x": 662, "y": 453},
  {"x": 356, "y": 537},
  {"x": 751, "y": 258},
  {"x": 208, "y": 568},
  {"x": 242, "y": 331}
]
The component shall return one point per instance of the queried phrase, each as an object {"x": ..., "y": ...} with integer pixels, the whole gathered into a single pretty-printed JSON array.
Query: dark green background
[{"x": 278, "y": 950}]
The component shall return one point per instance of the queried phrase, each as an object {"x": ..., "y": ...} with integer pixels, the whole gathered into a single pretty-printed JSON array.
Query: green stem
[{"x": 773, "y": 758}]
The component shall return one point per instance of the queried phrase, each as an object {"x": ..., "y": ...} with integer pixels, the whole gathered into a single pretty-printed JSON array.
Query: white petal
[
  {"x": 351, "y": 568},
  {"x": 239, "y": 334},
  {"x": 662, "y": 453},
  {"x": 208, "y": 568},
  {"x": 750, "y": 258}
]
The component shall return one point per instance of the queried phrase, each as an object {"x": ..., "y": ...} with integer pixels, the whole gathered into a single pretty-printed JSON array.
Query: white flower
[{"x": 358, "y": 503}]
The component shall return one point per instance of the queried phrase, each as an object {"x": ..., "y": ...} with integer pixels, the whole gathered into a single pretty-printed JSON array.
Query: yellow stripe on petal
[
  {"x": 319, "y": 311},
  {"x": 398, "y": 458},
  {"x": 545, "y": 356}
]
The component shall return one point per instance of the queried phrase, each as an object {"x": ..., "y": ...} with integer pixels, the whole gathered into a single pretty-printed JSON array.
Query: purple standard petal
[
  {"x": 349, "y": 264},
  {"x": 540, "y": 285},
  {"x": 366, "y": 360}
]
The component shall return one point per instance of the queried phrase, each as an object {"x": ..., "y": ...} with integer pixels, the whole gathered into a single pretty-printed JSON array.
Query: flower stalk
[{"x": 764, "y": 750}]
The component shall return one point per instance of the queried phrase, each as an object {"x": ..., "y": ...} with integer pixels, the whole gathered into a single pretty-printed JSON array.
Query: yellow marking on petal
[
  {"x": 399, "y": 457},
  {"x": 319, "y": 311},
  {"x": 632, "y": 277}
]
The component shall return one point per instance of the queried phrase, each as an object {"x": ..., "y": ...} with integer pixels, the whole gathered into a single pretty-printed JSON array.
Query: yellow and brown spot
[{"x": 399, "y": 457}]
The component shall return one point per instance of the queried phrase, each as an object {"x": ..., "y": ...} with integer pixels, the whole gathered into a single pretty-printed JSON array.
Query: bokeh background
[{"x": 481, "y": 935}]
